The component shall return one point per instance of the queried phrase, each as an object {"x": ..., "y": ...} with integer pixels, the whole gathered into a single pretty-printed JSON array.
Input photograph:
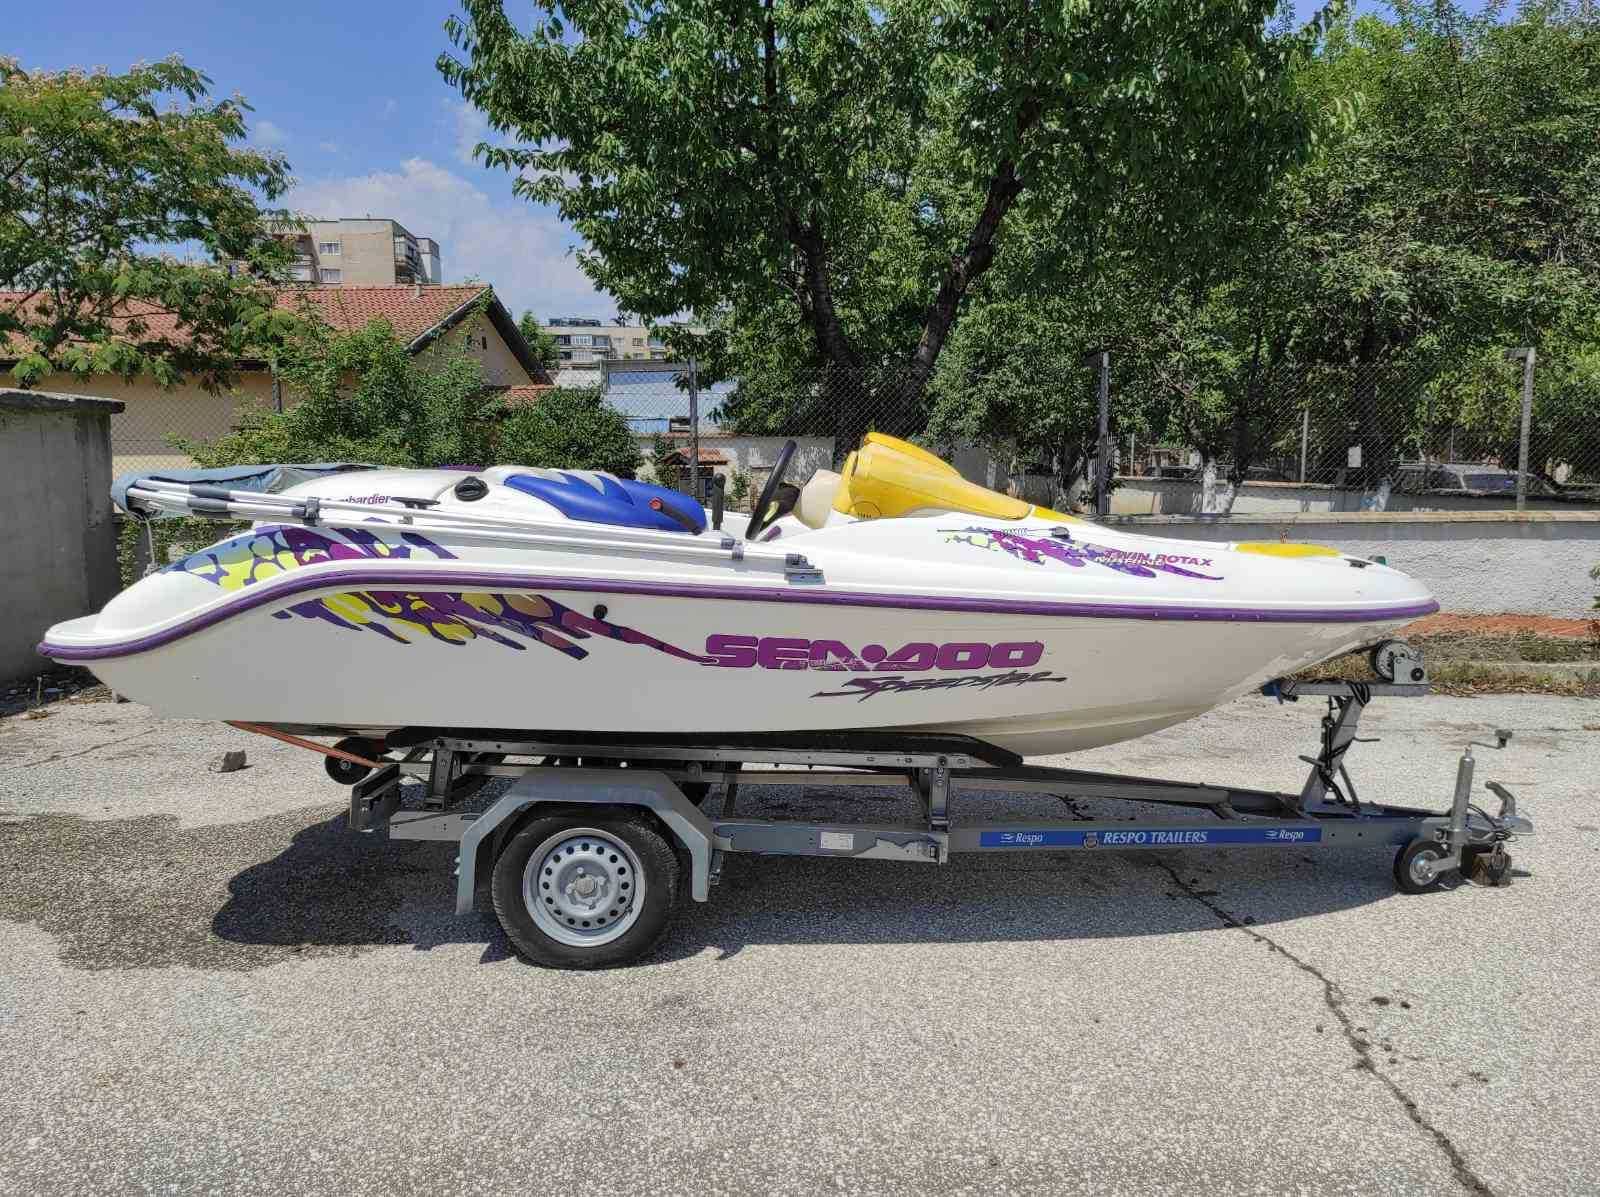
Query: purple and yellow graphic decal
[
  {"x": 456, "y": 618},
  {"x": 1059, "y": 546},
  {"x": 266, "y": 552},
  {"x": 448, "y": 617}
]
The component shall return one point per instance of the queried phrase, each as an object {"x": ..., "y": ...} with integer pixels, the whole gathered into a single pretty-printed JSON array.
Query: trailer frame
[{"x": 582, "y": 776}]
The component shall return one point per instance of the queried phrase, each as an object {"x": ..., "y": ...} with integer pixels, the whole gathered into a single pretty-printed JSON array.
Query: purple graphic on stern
[
  {"x": 1037, "y": 550},
  {"x": 266, "y": 552},
  {"x": 456, "y": 618},
  {"x": 445, "y": 616}
]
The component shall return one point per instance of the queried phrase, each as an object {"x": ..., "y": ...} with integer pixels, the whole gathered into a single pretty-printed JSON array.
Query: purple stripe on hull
[{"x": 368, "y": 576}]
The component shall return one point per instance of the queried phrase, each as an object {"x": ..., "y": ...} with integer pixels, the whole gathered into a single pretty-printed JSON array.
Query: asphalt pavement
[{"x": 210, "y": 985}]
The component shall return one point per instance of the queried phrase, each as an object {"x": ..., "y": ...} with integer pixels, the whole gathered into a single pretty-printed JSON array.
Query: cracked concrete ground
[{"x": 210, "y": 985}]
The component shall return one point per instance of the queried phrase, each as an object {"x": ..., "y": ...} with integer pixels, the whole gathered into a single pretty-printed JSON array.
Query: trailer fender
[{"x": 645, "y": 788}]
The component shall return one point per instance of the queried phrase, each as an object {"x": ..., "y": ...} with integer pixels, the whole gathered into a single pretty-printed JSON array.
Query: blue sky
[{"x": 349, "y": 93}]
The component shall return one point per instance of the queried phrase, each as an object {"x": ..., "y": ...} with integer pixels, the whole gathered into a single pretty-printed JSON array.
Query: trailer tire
[
  {"x": 1413, "y": 866},
  {"x": 585, "y": 889}
]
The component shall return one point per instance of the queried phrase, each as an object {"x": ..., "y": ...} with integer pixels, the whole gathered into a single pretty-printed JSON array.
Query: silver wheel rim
[
  {"x": 583, "y": 887},
  {"x": 1422, "y": 870}
]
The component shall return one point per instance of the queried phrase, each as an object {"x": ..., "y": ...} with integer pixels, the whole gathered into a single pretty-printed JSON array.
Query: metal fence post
[
  {"x": 1102, "y": 471},
  {"x": 1526, "y": 355},
  {"x": 694, "y": 434},
  {"x": 1305, "y": 437}
]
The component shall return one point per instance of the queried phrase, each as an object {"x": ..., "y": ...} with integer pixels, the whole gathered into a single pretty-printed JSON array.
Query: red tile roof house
[{"x": 422, "y": 316}]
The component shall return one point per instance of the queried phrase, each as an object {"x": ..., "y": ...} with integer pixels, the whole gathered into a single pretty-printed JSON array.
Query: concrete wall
[
  {"x": 149, "y": 415},
  {"x": 1174, "y": 496},
  {"x": 56, "y": 532},
  {"x": 1535, "y": 563}
]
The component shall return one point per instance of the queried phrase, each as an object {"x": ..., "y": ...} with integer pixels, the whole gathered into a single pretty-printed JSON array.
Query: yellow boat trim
[
  {"x": 910, "y": 450},
  {"x": 888, "y": 477},
  {"x": 1274, "y": 548},
  {"x": 1048, "y": 513}
]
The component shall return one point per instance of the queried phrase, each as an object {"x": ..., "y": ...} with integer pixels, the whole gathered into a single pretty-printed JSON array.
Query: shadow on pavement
[{"x": 148, "y": 892}]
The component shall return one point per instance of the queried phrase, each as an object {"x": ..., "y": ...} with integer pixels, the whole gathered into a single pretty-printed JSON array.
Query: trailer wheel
[
  {"x": 580, "y": 890},
  {"x": 1416, "y": 866},
  {"x": 347, "y": 773}
]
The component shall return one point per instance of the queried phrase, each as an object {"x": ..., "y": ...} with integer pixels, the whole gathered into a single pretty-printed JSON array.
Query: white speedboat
[{"x": 894, "y": 597}]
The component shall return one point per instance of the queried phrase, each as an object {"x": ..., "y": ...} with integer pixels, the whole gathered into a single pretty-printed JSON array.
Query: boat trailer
[{"x": 586, "y": 853}]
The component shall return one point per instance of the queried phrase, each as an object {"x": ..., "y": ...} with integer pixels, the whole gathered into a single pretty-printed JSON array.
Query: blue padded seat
[{"x": 619, "y": 501}]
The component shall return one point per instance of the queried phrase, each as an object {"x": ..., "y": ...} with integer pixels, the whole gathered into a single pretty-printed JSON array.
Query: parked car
[{"x": 1466, "y": 478}]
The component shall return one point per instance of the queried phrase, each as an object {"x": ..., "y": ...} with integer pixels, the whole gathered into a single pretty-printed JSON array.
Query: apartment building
[
  {"x": 362, "y": 252},
  {"x": 583, "y": 340}
]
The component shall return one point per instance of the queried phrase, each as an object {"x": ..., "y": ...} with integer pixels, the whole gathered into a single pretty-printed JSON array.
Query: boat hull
[{"x": 575, "y": 654}]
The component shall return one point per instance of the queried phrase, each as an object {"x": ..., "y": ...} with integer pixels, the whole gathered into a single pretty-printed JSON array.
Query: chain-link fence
[{"x": 1400, "y": 434}]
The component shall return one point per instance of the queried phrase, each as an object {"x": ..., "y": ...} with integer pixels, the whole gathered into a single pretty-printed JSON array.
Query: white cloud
[
  {"x": 471, "y": 127},
  {"x": 268, "y": 133},
  {"x": 522, "y": 249},
  {"x": 329, "y": 147}
]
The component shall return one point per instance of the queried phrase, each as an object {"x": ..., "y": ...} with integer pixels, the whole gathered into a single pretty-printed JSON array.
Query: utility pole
[
  {"x": 1526, "y": 356},
  {"x": 1305, "y": 437}
]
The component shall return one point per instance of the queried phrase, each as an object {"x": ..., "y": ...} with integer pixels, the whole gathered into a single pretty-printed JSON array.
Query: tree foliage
[
  {"x": 568, "y": 428},
  {"x": 853, "y": 165},
  {"x": 540, "y": 339},
  {"x": 95, "y": 169},
  {"x": 1449, "y": 211}
]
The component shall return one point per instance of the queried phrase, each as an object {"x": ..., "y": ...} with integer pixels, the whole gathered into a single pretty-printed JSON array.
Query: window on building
[
  {"x": 638, "y": 341},
  {"x": 326, "y": 248},
  {"x": 566, "y": 355},
  {"x": 582, "y": 339},
  {"x": 563, "y": 339},
  {"x": 332, "y": 276}
]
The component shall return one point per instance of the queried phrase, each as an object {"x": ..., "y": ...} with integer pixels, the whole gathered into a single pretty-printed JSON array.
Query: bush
[{"x": 567, "y": 428}]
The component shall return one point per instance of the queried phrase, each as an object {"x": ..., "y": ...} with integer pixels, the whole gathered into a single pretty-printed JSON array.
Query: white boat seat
[{"x": 816, "y": 499}]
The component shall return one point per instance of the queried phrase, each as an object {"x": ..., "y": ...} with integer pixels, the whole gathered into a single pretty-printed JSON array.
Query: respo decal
[{"x": 789, "y": 652}]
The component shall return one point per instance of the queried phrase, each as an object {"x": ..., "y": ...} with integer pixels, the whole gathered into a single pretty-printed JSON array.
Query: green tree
[
  {"x": 568, "y": 428},
  {"x": 853, "y": 164},
  {"x": 664, "y": 462},
  {"x": 540, "y": 339},
  {"x": 94, "y": 169},
  {"x": 1458, "y": 213}
]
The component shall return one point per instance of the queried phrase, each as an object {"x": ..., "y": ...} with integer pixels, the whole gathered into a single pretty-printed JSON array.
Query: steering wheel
[{"x": 758, "y": 515}]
